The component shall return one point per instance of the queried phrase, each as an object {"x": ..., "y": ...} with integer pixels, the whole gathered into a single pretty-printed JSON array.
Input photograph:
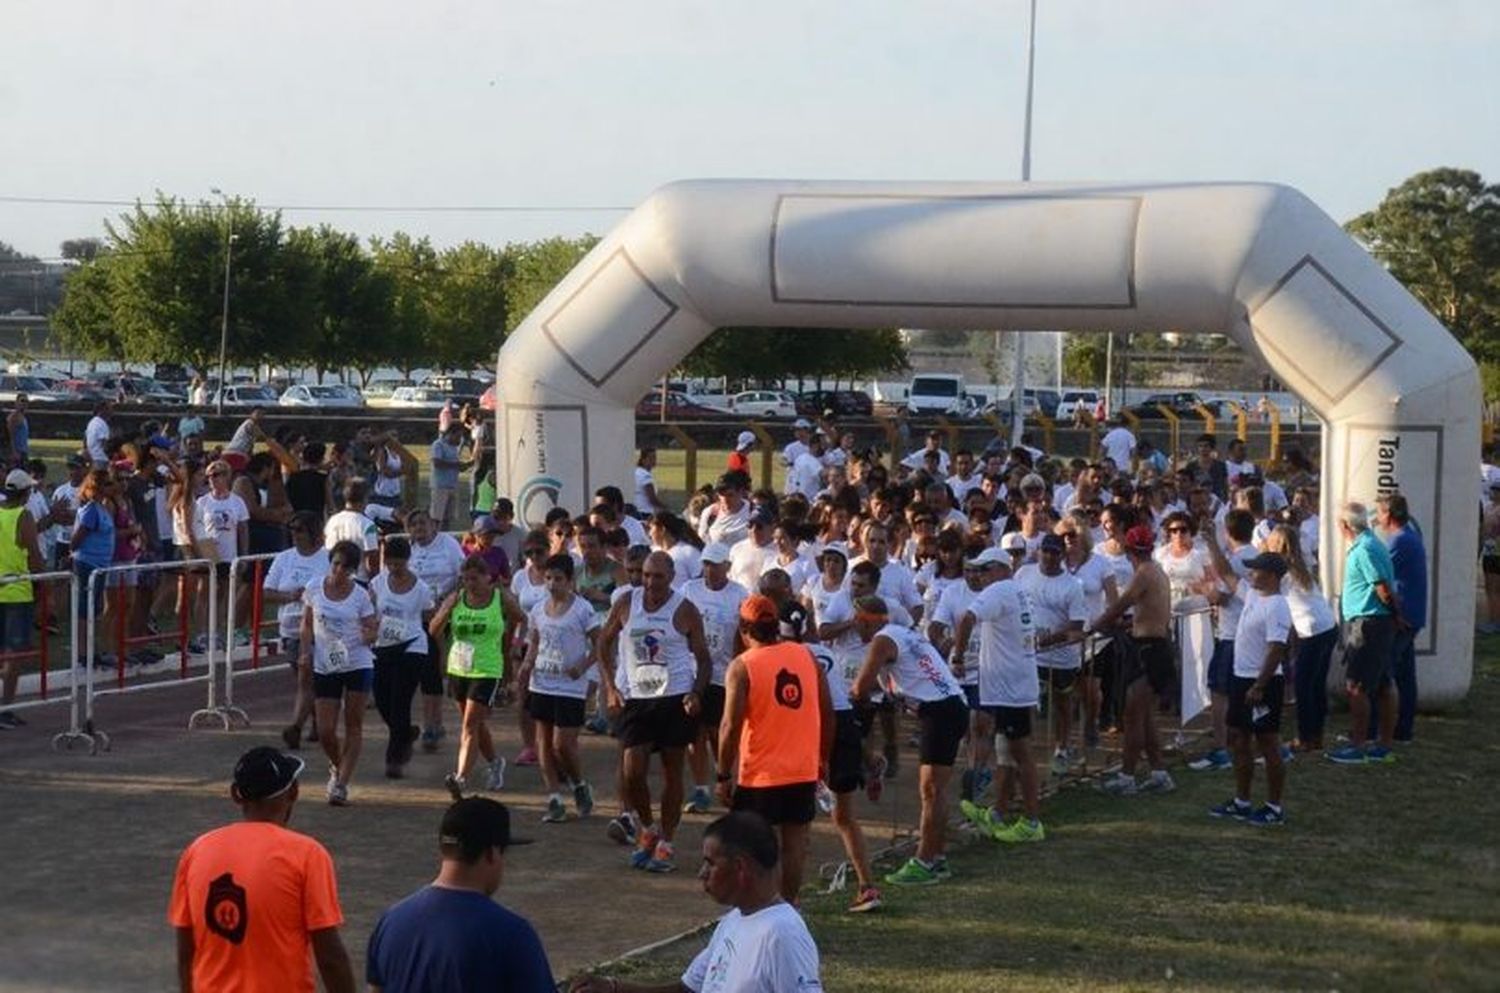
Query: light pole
[
  {"x": 1016, "y": 405},
  {"x": 224, "y": 322}
]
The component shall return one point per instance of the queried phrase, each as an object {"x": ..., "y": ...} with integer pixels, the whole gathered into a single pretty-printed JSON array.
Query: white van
[{"x": 935, "y": 393}]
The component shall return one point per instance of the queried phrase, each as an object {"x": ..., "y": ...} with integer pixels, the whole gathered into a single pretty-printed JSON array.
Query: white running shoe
[
  {"x": 1160, "y": 781},
  {"x": 496, "y": 779},
  {"x": 1120, "y": 784}
]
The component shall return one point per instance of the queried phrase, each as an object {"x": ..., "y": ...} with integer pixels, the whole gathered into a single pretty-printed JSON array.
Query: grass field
[{"x": 1385, "y": 878}]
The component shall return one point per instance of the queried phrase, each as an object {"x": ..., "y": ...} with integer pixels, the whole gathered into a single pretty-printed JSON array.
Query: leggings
[
  {"x": 396, "y": 675},
  {"x": 1310, "y": 672}
]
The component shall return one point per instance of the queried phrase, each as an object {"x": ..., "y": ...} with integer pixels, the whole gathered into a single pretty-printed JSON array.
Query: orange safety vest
[{"x": 780, "y": 739}]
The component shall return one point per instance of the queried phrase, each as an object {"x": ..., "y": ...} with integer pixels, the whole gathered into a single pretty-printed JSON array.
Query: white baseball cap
[
  {"x": 991, "y": 556},
  {"x": 715, "y": 553},
  {"x": 744, "y": 441},
  {"x": 1015, "y": 541}
]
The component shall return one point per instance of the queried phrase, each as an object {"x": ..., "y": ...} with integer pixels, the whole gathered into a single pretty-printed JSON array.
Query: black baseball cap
[
  {"x": 475, "y": 823},
  {"x": 1268, "y": 562},
  {"x": 263, "y": 773}
]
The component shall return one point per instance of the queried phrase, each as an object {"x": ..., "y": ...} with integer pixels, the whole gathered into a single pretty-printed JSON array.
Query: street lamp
[
  {"x": 1017, "y": 391},
  {"x": 224, "y": 324}
]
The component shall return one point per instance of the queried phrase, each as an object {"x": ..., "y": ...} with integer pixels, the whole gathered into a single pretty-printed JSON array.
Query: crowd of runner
[{"x": 982, "y": 594}]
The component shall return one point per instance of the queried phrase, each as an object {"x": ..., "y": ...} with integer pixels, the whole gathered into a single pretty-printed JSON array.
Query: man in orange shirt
[
  {"x": 249, "y": 899},
  {"x": 777, "y": 732}
]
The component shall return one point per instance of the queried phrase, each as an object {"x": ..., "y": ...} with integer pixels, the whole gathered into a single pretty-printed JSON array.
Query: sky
[{"x": 563, "y": 107}]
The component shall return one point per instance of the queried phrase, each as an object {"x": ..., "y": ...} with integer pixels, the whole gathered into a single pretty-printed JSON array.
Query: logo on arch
[{"x": 546, "y": 489}]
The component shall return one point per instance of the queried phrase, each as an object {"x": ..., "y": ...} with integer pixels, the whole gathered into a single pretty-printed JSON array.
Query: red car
[{"x": 679, "y": 407}]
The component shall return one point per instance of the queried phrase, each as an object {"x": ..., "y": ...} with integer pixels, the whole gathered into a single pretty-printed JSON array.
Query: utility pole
[
  {"x": 224, "y": 323},
  {"x": 1018, "y": 390}
]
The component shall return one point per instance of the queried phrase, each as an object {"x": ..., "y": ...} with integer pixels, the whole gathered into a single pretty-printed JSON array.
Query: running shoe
[
  {"x": 1264, "y": 816},
  {"x": 1380, "y": 755},
  {"x": 1120, "y": 784},
  {"x": 1348, "y": 755},
  {"x": 645, "y": 850},
  {"x": 940, "y": 867},
  {"x": 9, "y": 720},
  {"x": 597, "y": 724},
  {"x": 527, "y": 756},
  {"x": 621, "y": 829},
  {"x": 1021, "y": 830},
  {"x": 495, "y": 781},
  {"x": 455, "y": 785},
  {"x": 338, "y": 796},
  {"x": 982, "y": 818},
  {"x": 662, "y": 858},
  {"x": 868, "y": 900},
  {"x": 914, "y": 873},
  {"x": 1212, "y": 761},
  {"x": 1160, "y": 781},
  {"x": 824, "y": 797},
  {"x": 583, "y": 798},
  {"x": 699, "y": 802},
  {"x": 394, "y": 770},
  {"x": 1060, "y": 762},
  {"x": 875, "y": 779},
  {"x": 556, "y": 812},
  {"x": 983, "y": 780},
  {"x": 429, "y": 739},
  {"x": 291, "y": 735},
  {"x": 198, "y": 645},
  {"x": 1231, "y": 809}
]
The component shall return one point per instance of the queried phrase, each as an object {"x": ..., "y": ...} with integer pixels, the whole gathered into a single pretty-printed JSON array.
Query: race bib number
[
  {"x": 338, "y": 655},
  {"x": 393, "y": 631},
  {"x": 461, "y": 657},
  {"x": 549, "y": 654}
]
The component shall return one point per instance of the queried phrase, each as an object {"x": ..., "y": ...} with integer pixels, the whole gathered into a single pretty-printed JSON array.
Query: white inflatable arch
[{"x": 1399, "y": 396}]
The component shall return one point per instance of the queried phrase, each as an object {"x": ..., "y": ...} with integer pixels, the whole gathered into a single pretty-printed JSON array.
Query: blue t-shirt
[
  {"x": 440, "y": 939},
  {"x": 444, "y": 478},
  {"x": 1367, "y": 565},
  {"x": 1409, "y": 562},
  {"x": 98, "y": 528}
]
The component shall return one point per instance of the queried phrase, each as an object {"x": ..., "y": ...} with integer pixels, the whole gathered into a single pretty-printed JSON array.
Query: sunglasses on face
[
  {"x": 1177, "y": 530},
  {"x": 535, "y": 551}
]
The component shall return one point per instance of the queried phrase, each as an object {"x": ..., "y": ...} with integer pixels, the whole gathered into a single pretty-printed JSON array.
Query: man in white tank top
[{"x": 657, "y": 636}]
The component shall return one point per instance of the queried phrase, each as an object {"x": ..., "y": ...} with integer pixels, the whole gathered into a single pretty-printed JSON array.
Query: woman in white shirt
[
  {"x": 528, "y": 584},
  {"x": 1100, "y": 590},
  {"x": 338, "y": 627},
  {"x": 671, "y": 534},
  {"x": 291, "y": 572},
  {"x": 561, "y": 651},
  {"x": 1317, "y": 634},
  {"x": 403, "y": 606},
  {"x": 1188, "y": 568}
]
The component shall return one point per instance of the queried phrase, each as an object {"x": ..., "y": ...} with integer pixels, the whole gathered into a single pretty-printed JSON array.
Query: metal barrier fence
[
  {"x": 226, "y": 711},
  {"x": 42, "y": 585}
]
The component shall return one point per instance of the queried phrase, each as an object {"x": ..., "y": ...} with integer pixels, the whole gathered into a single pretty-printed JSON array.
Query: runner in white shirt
[
  {"x": 718, "y": 600},
  {"x": 820, "y": 589},
  {"x": 1230, "y": 569},
  {"x": 1000, "y": 620},
  {"x": 1317, "y": 636},
  {"x": 645, "y": 498},
  {"x": 791, "y": 557},
  {"x": 898, "y": 583},
  {"x": 1060, "y": 613},
  {"x": 291, "y": 572},
  {"x": 1097, "y": 573},
  {"x": 802, "y": 428},
  {"x": 404, "y": 604},
  {"x": 437, "y": 559},
  {"x": 751, "y": 557},
  {"x": 805, "y": 475},
  {"x": 338, "y": 627},
  {"x": 1119, "y": 445},
  {"x": 727, "y": 519},
  {"x": 918, "y": 672},
  {"x": 561, "y": 651},
  {"x": 1257, "y": 690},
  {"x": 1187, "y": 565},
  {"x": 941, "y": 628},
  {"x": 671, "y": 534},
  {"x": 352, "y": 524}
]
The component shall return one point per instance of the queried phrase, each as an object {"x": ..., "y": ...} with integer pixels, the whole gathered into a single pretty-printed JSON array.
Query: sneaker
[
  {"x": 662, "y": 857},
  {"x": 621, "y": 829},
  {"x": 1231, "y": 809},
  {"x": 1212, "y": 761},
  {"x": 556, "y": 812},
  {"x": 429, "y": 739},
  {"x": 1021, "y": 830},
  {"x": 1160, "y": 781},
  {"x": 1264, "y": 816},
  {"x": 868, "y": 900},
  {"x": 394, "y": 770},
  {"x": 875, "y": 779},
  {"x": 982, "y": 818},
  {"x": 9, "y": 720},
  {"x": 1060, "y": 762},
  {"x": 291, "y": 735},
  {"x": 1347, "y": 755},
  {"x": 699, "y": 802},
  {"x": 1380, "y": 755},
  {"x": 527, "y": 756},
  {"x": 597, "y": 724},
  {"x": 983, "y": 780},
  {"x": 940, "y": 867},
  {"x": 455, "y": 784},
  {"x": 1120, "y": 784},
  {"x": 338, "y": 793},
  {"x": 198, "y": 645},
  {"x": 644, "y": 851},
  {"x": 495, "y": 781},
  {"x": 914, "y": 873},
  {"x": 583, "y": 798}
]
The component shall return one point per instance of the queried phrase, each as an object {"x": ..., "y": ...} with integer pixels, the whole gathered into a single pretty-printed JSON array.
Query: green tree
[
  {"x": 534, "y": 268},
  {"x": 85, "y": 318},
  {"x": 81, "y": 249},
  {"x": 797, "y": 353},
  {"x": 410, "y": 266},
  {"x": 469, "y": 307},
  {"x": 1439, "y": 234},
  {"x": 347, "y": 307}
]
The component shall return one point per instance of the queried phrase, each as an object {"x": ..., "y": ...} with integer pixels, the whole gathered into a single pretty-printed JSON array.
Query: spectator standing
[
  {"x": 1369, "y": 607},
  {"x": 739, "y": 459},
  {"x": 244, "y": 437},
  {"x": 20, "y": 555},
  {"x": 256, "y": 905},
  {"x": 451, "y": 934},
  {"x": 647, "y": 502},
  {"x": 19, "y": 428},
  {"x": 65, "y": 508},
  {"x": 1409, "y": 563},
  {"x": 96, "y": 435},
  {"x": 1118, "y": 444},
  {"x": 351, "y": 524},
  {"x": 446, "y": 465},
  {"x": 1317, "y": 635}
]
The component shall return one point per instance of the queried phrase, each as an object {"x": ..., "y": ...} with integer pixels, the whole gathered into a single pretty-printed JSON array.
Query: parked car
[
  {"x": 417, "y": 398},
  {"x": 244, "y": 395},
  {"x": 36, "y": 389},
  {"x": 137, "y": 389},
  {"x": 79, "y": 391},
  {"x": 459, "y": 389},
  {"x": 935, "y": 393},
  {"x": 843, "y": 403},
  {"x": 1183, "y": 403},
  {"x": 338, "y": 396},
  {"x": 679, "y": 407},
  {"x": 763, "y": 403},
  {"x": 1071, "y": 399}
]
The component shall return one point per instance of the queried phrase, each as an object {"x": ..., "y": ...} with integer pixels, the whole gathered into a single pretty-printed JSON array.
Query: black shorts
[
  {"x": 1152, "y": 660},
  {"x": 794, "y": 803},
  {"x": 333, "y": 685},
  {"x": 1013, "y": 722},
  {"x": 1490, "y": 564},
  {"x": 944, "y": 723},
  {"x": 659, "y": 722},
  {"x": 846, "y": 766},
  {"x": 559, "y": 711},
  {"x": 971, "y": 695},
  {"x": 1368, "y": 643},
  {"x": 476, "y": 688},
  {"x": 222, "y": 569},
  {"x": 1262, "y": 718},
  {"x": 430, "y": 675},
  {"x": 864, "y": 718},
  {"x": 1059, "y": 681},
  {"x": 1221, "y": 665},
  {"x": 1098, "y": 655},
  {"x": 711, "y": 709}
]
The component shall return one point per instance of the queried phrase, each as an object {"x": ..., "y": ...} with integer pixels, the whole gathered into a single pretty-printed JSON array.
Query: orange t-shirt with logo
[
  {"x": 780, "y": 739},
  {"x": 253, "y": 893}
]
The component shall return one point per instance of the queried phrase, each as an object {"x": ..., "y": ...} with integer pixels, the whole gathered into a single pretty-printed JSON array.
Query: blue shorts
[
  {"x": 1221, "y": 666},
  {"x": 333, "y": 685},
  {"x": 16, "y": 621}
]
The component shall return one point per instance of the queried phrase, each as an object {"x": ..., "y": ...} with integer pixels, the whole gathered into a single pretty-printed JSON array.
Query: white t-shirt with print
[
  {"x": 721, "y": 619},
  {"x": 338, "y": 640},
  {"x": 563, "y": 643},
  {"x": 1057, "y": 602},
  {"x": 1007, "y": 646},
  {"x": 218, "y": 519},
  {"x": 401, "y": 613},
  {"x": 769, "y": 951},
  {"x": 293, "y": 572},
  {"x": 1265, "y": 621},
  {"x": 437, "y": 563}
]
